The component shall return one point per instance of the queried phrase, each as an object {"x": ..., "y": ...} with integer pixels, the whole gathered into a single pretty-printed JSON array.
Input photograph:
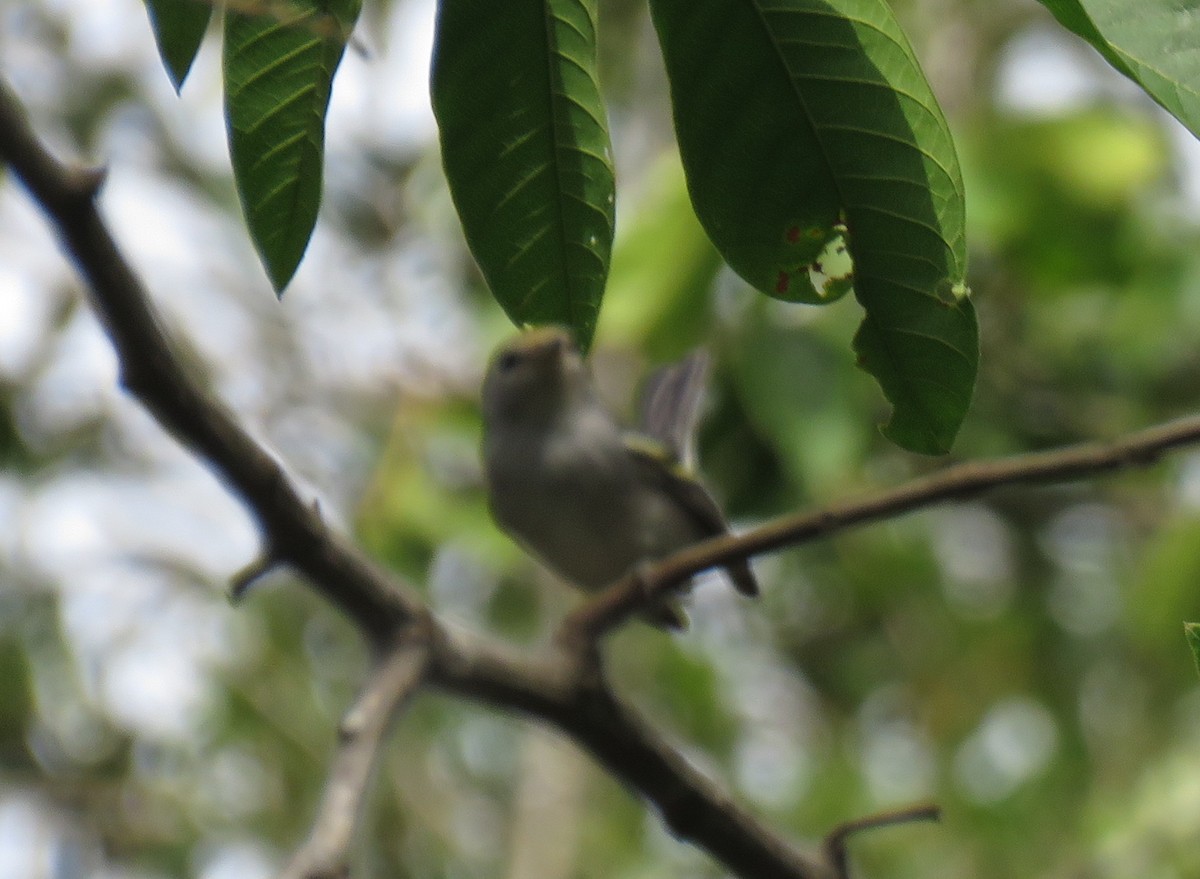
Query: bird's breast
[{"x": 569, "y": 501}]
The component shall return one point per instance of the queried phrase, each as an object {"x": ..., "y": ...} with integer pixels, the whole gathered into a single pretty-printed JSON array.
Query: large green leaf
[
  {"x": 803, "y": 124},
  {"x": 179, "y": 27},
  {"x": 278, "y": 73},
  {"x": 526, "y": 150},
  {"x": 1156, "y": 43}
]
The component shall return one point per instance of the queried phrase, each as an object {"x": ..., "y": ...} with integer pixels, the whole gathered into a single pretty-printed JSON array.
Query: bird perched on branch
[{"x": 566, "y": 482}]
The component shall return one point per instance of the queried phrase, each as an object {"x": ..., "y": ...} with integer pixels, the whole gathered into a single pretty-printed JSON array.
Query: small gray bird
[{"x": 588, "y": 499}]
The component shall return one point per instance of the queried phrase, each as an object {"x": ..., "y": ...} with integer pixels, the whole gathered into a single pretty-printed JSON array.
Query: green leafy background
[{"x": 1017, "y": 658}]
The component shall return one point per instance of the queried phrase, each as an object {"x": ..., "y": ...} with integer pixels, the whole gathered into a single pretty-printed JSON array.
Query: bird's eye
[{"x": 507, "y": 361}]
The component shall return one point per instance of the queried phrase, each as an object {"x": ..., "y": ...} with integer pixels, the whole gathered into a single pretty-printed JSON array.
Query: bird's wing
[
  {"x": 670, "y": 405},
  {"x": 655, "y": 468}
]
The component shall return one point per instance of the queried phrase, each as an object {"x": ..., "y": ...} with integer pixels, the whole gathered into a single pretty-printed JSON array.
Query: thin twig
[
  {"x": 240, "y": 583},
  {"x": 619, "y": 602},
  {"x": 836, "y": 839},
  {"x": 390, "y": 684}
]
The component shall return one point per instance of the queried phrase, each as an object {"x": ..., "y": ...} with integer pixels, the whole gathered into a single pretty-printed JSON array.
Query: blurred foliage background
[{"x": 1017, "y": 659}]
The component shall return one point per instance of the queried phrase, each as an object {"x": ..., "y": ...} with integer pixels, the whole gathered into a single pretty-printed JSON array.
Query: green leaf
[
  {"x": 179, "y": 27},
  {"x": 526, "y": 150},
  {"x": 1191, "y": 631},
  {"x": 805, "y": 125},
  {"x": 924, "y": 352},
  {"x": 1072, "y": 16},
  {"x": 1153, "y": 42},
  {"x": 278, "y": 74}
]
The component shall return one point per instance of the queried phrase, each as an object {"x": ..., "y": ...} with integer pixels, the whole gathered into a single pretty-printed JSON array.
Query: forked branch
[
  {"x": 565, "y": 688},
  {"x": 559, "y": 688}
]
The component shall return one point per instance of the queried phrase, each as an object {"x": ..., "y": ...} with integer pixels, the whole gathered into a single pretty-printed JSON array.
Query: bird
[{"x": 589, "y": 499}]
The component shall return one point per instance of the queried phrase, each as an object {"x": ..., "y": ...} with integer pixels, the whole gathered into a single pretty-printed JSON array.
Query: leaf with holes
[
  {"x": 806, "y": 127},
  {"x": 526, "y": 150},
  {"x": 278, "y": 74},
  {"x": 179, "y": 27}
]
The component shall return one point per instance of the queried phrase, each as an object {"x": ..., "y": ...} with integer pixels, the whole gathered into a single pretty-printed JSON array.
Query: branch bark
[
  {"x": 569, "y": 690},
  {"x": 567, "y": 687},
  {"x": 292, "y": 531}
]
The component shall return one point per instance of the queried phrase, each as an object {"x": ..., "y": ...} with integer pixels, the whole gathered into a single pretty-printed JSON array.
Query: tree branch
[
  {"x": 615, "y": 605},
  {"x": 392, "y": 681},
  {"x": 292, "y": 531},
  {"x": 574, "y": 696},
  {"x": 561, "y": 688},
  {"x": 565, "y": 689}
]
